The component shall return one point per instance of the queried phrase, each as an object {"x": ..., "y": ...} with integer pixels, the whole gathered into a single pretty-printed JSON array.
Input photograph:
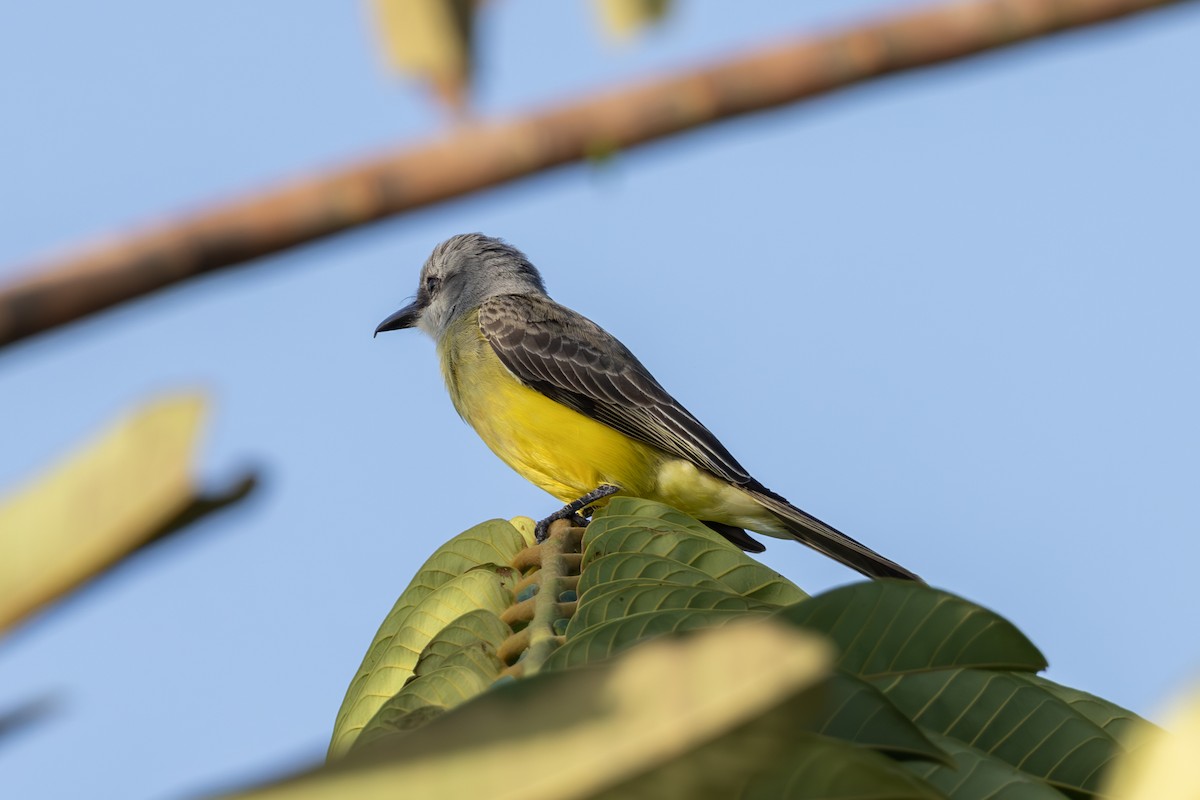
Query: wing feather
[{"x": 574, "y": 361}]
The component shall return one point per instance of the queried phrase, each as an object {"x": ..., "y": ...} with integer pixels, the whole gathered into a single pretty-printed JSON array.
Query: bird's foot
[{"x": 576, "y": 511}]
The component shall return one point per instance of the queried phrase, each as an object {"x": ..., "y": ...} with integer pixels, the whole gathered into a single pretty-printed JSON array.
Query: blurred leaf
[
  {"x": 1007, "y": 716},
  {"x": 975, "y": 775},
  {"x": 667, "y": 713},
  {"x": 18, "y": 720},
  {"x": 208, "y": 501},
  {"x": 1162, "y": 763},
  {"x": 411, "y": 627},
  {"x": 626, "y": 18},
  {"x": 887, "y": 627},
  {"x": 430, "y": 40},
  {"x": 131, "y": 485}
]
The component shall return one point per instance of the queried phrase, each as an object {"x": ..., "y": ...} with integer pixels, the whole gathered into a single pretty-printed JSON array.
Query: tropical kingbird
[{"x": 566, "y": 405}]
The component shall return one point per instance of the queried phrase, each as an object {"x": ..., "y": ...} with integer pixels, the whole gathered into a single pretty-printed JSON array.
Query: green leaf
[
  {"x": 1117, "y": 722},
  {"x": 759, "y": 582},
  {"x": 825, "y": 769},
  {"x": 395, "y": 722},
  {"x": 1008, "y": 716},
  {"x": 623, "y": 598},
  {"x": 859, "y": 713},
  {"x": 643, "y": 566},
  {"x": 652, "y": 510},
  {"x": 628, "y": 534},
  {"x": 887, "y": 627},
  {"x": 692, "y": 544},
  {"x": 471, "y": 639},
  {"x": 603, "y": 641},
  {"x": 667, "y": 714},
  {"x": 493, "y": 542},
  {"x": 975, "y": 775},
  {"x": 394, "y": 654},
  {"x": 445, "y": 687}
]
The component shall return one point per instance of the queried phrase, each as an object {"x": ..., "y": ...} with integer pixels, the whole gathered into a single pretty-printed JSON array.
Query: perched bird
[{"x": 566, "y": 405}]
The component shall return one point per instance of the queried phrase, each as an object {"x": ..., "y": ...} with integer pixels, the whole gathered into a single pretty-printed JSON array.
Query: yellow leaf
[
  {"x": 526, "y": 526},
  {"x": 130, "y": 485},
  {"x": 588, "y": 731},
  {"x": 624, "y": 19},
  {"x": 1163, "y": 763},
  {"x": 430, "y": 40}
]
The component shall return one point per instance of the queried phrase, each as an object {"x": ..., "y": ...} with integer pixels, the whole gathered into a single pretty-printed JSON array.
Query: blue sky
[{"x": 954, "y": 313}]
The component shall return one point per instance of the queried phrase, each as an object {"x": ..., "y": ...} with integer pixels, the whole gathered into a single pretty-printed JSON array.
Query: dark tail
[
  {"x": 829, "y": 540},
  {"x": 737, "y": 536}
]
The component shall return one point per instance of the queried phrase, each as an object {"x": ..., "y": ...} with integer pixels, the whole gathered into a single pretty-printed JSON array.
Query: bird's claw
[{"x": 576, "y": 511}]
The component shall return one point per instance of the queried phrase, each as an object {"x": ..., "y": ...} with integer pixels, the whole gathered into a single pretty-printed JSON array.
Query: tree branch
[{"x": 480, "y": 155}]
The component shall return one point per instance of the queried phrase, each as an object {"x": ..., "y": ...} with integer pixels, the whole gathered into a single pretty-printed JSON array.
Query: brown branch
[{"x": 482, "y": 155}]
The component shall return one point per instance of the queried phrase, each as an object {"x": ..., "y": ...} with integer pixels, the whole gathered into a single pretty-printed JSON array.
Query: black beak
[{"x": 404, "y": 318}]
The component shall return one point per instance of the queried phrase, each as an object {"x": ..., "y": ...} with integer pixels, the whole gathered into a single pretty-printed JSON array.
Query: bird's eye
[{"x": 432, "y": 283}]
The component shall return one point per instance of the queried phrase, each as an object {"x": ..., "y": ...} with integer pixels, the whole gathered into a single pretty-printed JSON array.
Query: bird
[{"x": 571, "y": 409}]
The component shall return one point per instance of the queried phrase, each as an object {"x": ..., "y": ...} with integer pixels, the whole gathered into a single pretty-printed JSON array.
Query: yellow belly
[
  {"x": 556, "y": 448},
  {"x": 568, "y": 454}
]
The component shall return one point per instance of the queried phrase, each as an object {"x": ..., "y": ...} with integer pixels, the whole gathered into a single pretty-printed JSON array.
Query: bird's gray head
[{"x": 461, "y": 273}]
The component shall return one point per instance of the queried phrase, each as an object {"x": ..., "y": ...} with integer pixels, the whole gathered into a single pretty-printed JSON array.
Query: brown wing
[{"x": 574, "y": 361}]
